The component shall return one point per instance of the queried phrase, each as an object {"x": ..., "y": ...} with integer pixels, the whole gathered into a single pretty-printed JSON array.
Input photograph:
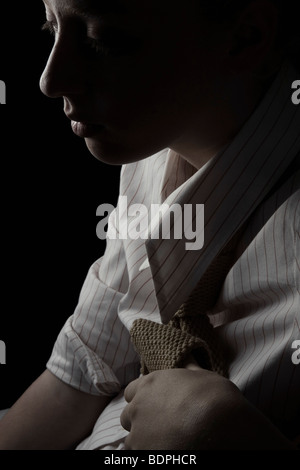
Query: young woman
[{"x": 194, "y": 99}]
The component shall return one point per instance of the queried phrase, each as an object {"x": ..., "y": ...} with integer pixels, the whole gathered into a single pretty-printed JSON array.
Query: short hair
[{"x": 288, "y": 37}]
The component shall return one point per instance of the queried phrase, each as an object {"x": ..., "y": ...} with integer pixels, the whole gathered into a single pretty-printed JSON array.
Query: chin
[{"x": 114, "y": 153}]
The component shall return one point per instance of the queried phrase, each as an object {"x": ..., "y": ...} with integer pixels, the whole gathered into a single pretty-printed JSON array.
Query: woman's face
[{"x": 135, "y": 77}]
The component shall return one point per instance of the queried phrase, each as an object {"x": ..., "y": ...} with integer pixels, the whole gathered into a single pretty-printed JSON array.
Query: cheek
[
  {"x": 141, "y": 82},
  {"x": 153, "y": 90},
  {"x": 135, "y": 97}
]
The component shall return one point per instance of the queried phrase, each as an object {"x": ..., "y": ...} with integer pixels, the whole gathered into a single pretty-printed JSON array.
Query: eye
[
  {"x": 112, "y": 43},
  {"x": 91, "y": 45},
  {"x": 51, "y": 27}
]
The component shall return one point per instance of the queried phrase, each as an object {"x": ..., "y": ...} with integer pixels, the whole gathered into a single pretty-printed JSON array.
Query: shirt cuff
[{"x": 77, "y": 365}]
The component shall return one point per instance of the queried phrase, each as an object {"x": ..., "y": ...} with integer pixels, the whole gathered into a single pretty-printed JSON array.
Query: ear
[{"x": 253, "y": 36}]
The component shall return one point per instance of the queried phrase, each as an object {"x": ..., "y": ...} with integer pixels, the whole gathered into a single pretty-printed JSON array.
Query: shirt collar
[{"x": 230, "y": 185}]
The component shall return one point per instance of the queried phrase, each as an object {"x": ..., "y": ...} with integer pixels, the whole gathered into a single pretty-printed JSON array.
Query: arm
[{"x": 53, "y": 416}]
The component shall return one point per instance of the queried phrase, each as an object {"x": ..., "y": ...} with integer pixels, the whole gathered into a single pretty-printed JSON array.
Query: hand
[{"x": 193, "y": 409}]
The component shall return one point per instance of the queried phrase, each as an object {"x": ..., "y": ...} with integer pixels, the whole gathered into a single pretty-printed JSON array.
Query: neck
[{"x": 203, "y": 140}]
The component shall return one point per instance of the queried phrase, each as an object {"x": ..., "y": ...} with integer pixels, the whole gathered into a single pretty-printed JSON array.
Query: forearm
[{"x": 50, "y": 415}]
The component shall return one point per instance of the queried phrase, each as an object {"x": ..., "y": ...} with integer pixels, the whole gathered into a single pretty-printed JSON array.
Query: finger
[
  {"x": 125, "y": 418},
  {"x": 131, "y": 389}
]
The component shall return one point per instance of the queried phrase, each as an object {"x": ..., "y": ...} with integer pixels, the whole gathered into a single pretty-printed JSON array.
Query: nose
[{"x": 63, "y": 74}]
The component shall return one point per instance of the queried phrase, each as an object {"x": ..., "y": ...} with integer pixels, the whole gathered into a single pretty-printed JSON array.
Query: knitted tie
[{"x": 168, "y": 346}]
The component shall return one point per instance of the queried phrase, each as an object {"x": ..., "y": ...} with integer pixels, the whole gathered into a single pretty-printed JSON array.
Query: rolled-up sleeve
[{"x": 93, "y": 352}]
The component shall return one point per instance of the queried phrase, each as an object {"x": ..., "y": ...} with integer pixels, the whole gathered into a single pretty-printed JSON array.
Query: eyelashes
[
  {"x": 91, "y": 45},
  {"x": 50, "y": 27}
]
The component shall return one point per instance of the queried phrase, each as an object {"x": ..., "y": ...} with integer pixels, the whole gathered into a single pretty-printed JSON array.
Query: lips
[{"x": 84, "y": 129}]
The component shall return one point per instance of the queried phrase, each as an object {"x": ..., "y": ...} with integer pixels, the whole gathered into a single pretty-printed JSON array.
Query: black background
[{"x": 51, "y": 188}]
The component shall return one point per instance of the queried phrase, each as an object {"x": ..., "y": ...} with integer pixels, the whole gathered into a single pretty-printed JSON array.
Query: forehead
[
  {"x": 93, "y": 6},
  {"x": 141, "y": 15},
  {"x": 118, "y": 7}
]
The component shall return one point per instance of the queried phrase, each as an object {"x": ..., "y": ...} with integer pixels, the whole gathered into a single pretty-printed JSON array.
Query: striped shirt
[{"x": 257, "y": 314}]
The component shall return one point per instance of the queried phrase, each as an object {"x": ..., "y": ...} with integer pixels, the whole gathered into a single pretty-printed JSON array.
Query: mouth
[{"x": 85, "y": 129}]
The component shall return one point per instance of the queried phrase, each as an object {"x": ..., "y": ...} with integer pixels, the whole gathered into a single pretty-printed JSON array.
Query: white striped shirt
[{"x": 257, "y": 315}]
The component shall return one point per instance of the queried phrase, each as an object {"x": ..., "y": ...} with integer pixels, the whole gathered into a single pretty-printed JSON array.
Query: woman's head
[{"x": 143, "y": 76}]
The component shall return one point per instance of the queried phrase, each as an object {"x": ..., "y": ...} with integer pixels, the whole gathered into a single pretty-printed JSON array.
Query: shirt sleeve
[{"x": 93, "y": 352}]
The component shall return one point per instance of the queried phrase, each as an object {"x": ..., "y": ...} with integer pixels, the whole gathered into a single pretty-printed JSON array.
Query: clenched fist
[{"x": 194, "y": 409}]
